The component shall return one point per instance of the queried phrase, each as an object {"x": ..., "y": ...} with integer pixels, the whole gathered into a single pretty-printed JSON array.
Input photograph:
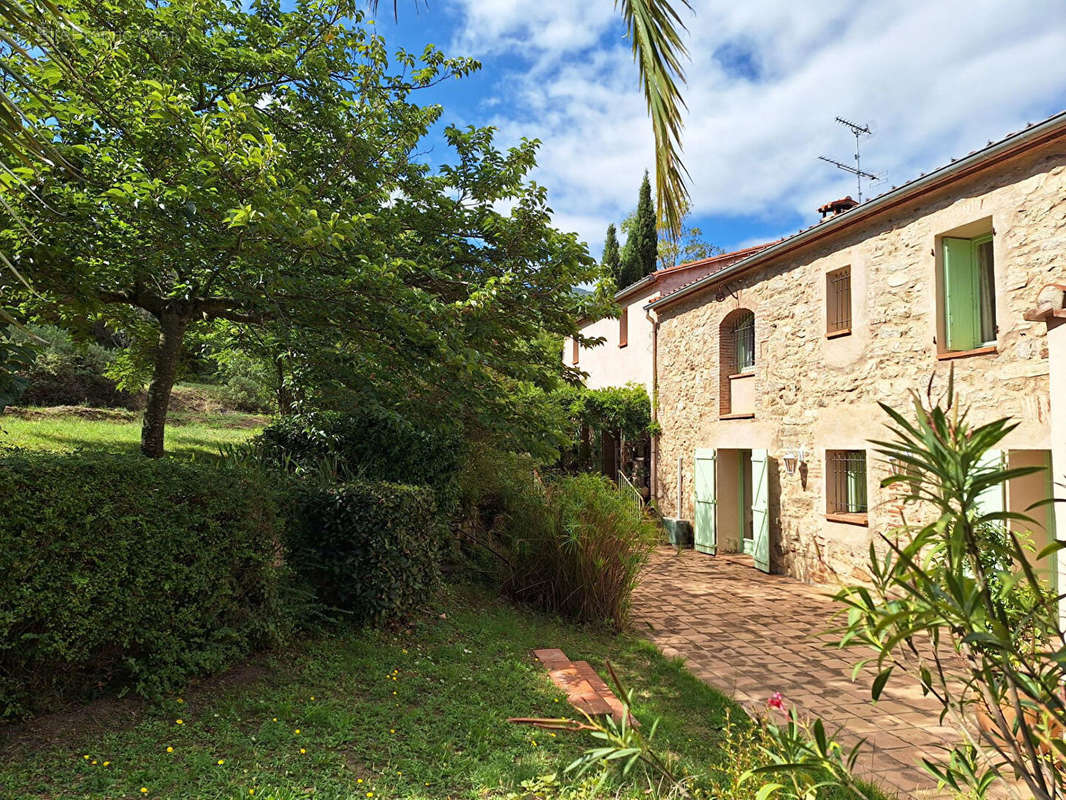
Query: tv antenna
[{"x": 859, "y": 131}]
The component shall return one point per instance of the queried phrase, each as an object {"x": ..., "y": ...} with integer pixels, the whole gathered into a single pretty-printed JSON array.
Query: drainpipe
[{"x": 653, "y": 456}]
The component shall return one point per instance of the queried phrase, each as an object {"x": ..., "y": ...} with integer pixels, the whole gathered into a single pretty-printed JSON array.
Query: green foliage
[
  {"x": 15, "y": 357},
  {"x": 623, "y": 410},
  {"x": 368, "y": 443},
  {"x": 115, "y": 570},
  {"x": 642, "y": 240},
  {"x": 371, "y": 550},
  {"x": 65, "y": 373},
  {"x": 611, "y": 261},
  {"x": 688, "y": 245},
  {"x": 582, "y": 553},
  {"x": 963, "y": 580},
  {"x": 271, "y": 173},
  {"x": 248, "y": 384}
]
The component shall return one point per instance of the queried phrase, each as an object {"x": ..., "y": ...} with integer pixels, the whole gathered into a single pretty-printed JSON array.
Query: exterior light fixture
[{"x": 793, "y": 459}]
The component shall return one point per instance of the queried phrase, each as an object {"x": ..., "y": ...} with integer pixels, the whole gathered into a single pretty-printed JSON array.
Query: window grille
[
  {"x": 838, "y": 301},
  {"x": 744, "y": 341},
  {"x": 846, "y": 482}
]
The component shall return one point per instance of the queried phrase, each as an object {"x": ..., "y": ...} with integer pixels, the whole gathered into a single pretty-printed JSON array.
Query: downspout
[{"x": 653, "y": 456}]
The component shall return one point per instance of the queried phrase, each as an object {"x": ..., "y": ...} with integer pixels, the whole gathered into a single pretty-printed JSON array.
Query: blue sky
[{"x": 766, "y": 78}]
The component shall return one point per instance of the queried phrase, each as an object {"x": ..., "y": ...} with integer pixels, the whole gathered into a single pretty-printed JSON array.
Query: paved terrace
[{"x": 750, "y": 634}]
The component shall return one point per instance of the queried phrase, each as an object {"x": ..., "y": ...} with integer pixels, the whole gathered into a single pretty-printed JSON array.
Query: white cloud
[{"x": 766, "y": 80}]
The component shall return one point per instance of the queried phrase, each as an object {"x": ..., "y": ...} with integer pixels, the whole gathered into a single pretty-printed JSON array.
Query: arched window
[
  {"x": 736, "y": 339},
  {"x": 744, "y": 342}
]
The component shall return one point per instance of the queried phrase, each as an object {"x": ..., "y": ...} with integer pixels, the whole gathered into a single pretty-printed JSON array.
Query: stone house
[
  {"x": 627, "y": 352},
  {"x": 769, "y": 371}
]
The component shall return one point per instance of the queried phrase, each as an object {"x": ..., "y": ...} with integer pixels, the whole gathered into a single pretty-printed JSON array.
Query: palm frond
[{"x": 655, "y": 28}]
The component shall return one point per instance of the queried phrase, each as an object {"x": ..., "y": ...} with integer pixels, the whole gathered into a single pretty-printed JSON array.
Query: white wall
[{"x": 610, "y": 365}]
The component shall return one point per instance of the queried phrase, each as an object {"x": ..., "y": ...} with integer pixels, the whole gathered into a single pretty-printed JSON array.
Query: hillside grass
[{"x": 65, "y": 429}]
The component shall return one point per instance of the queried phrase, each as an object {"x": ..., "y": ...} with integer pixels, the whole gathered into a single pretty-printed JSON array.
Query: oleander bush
[
  {"x": 122, "y": 571},
  {"x": 371, "y": 550}
]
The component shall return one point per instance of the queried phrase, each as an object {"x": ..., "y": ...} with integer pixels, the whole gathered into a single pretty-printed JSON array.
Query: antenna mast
[{"x": 858, "y": 130}]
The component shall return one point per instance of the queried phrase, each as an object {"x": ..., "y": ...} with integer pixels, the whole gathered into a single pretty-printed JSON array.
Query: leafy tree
[
  {"x": 642, "y": 239},
  {"x": 688, "y": 246},
  {"x": 611, "y": 261},
  {"x": 256, "y": 169}
]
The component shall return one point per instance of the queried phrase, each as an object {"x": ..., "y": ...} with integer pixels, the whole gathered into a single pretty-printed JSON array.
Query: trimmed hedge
[
  {"x": 372, "y": 444},
  {"x": 372, "y": 550},
  {"x": 120, "y": 570}
]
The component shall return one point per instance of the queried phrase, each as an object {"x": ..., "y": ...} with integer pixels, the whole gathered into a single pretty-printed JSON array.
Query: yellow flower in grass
[
  {"x": 296, "y": 731},
  {"x": 251, "y": 791},
  {"x": 180, "y": 700},
  {"x": 358, "y": 780},
  {"x": 170, "y": 749},
  {"x": 107, "y": 763},
  {"x": 86, "y": 757},
  {"x": 144, "y": 790},
  {"x": 179, "y": 722},
  {"x": 302, "y": 751},
  {"x": 221, "y": 761}
]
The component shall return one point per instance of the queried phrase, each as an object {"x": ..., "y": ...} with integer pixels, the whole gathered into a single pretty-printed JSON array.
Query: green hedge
[
  {"x": 373, "y": 445},
  {"x": 120, "y": 570},
  {"x": 372, "y": 550}
]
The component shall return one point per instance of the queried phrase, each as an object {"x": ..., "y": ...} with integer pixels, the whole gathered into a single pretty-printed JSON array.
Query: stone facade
[{"x": 819, "y": 393}]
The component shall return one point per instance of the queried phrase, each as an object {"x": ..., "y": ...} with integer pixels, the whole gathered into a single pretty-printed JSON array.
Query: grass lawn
[
  {"x": 187, "y": 434},
  {"x": 415, "y": 713}
]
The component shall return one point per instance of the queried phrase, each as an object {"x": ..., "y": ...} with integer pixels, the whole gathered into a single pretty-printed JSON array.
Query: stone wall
[{"x": 817, "y": 393}]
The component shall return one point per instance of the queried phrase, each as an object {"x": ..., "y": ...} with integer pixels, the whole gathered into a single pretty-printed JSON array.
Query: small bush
[
  {"x": 372, "y": 550},
  {"x": 120, "y": 570},
  {"x": 580, "y": 554},
  {"x": 65, "y": 373},
  {"x": 368, "y": 444}
]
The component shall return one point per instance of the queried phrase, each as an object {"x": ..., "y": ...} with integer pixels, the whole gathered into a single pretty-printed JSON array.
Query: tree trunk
[{"x": 171, "y": 333}]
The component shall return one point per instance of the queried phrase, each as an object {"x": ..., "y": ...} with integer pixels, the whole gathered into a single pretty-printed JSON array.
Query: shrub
[
  {"x": 66, "y": 373},
  {"x": 372, "y": 550},
  {"x": 370, "y": 444},
  {"x": 120, "y": 570},
  {"x": 580, "y": 554}
]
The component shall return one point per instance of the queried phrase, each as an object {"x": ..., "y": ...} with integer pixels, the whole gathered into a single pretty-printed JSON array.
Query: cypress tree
[
  {"x": 642, "y": 244},
  {"x": 611, "y": 260}
]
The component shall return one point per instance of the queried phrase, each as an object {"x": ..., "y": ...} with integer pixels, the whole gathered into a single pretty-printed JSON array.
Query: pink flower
[{"x": 776, "y": 701}]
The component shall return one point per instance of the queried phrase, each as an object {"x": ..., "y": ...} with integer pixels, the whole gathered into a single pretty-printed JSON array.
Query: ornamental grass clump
[{"x": 582, "y": 553}]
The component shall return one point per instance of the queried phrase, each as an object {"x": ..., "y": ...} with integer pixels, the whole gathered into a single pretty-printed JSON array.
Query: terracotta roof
[
  {"x": 722, "y": 260},
  {"x": 1033, "y": 135}
]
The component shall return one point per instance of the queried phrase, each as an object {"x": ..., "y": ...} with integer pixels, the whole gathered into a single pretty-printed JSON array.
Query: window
[
  {"x": 744, "y": 342},
  {"x": 838, "y": 302},
  {"x": 623, "y": 328},
  {"x": 846, "y": 484},
  {"x": 736, "y": 365},
  {"x": 969, "y": 294},
  {"x": 577, "y": 349}
]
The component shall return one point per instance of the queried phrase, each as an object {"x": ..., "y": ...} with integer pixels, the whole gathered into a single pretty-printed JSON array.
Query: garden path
[{"x": 750, "y": 634}]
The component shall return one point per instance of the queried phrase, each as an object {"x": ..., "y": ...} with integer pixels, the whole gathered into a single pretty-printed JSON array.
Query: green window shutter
[
  {"x": 706, "y": 501},
  {"x": 760, "y": 508},
  {"x": 962, "y": 323}
]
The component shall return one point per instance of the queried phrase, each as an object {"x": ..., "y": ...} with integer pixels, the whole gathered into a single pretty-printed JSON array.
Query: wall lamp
[{"x": 793, "y": 459}]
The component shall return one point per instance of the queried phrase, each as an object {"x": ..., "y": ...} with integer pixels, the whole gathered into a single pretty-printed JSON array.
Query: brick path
[{"x": 751, "y": 634}]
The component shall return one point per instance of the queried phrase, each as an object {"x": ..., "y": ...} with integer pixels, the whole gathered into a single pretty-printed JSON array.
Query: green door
[
  {"x": 706, "y": 533},
  {"x": 760, "y": 508}
]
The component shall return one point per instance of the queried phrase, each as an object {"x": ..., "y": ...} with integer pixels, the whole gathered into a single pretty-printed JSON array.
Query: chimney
[{"x": 837, "y": 207}]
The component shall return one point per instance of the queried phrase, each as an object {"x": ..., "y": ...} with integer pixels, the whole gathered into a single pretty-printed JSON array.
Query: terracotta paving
[{"x": 750, "y": 635}]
